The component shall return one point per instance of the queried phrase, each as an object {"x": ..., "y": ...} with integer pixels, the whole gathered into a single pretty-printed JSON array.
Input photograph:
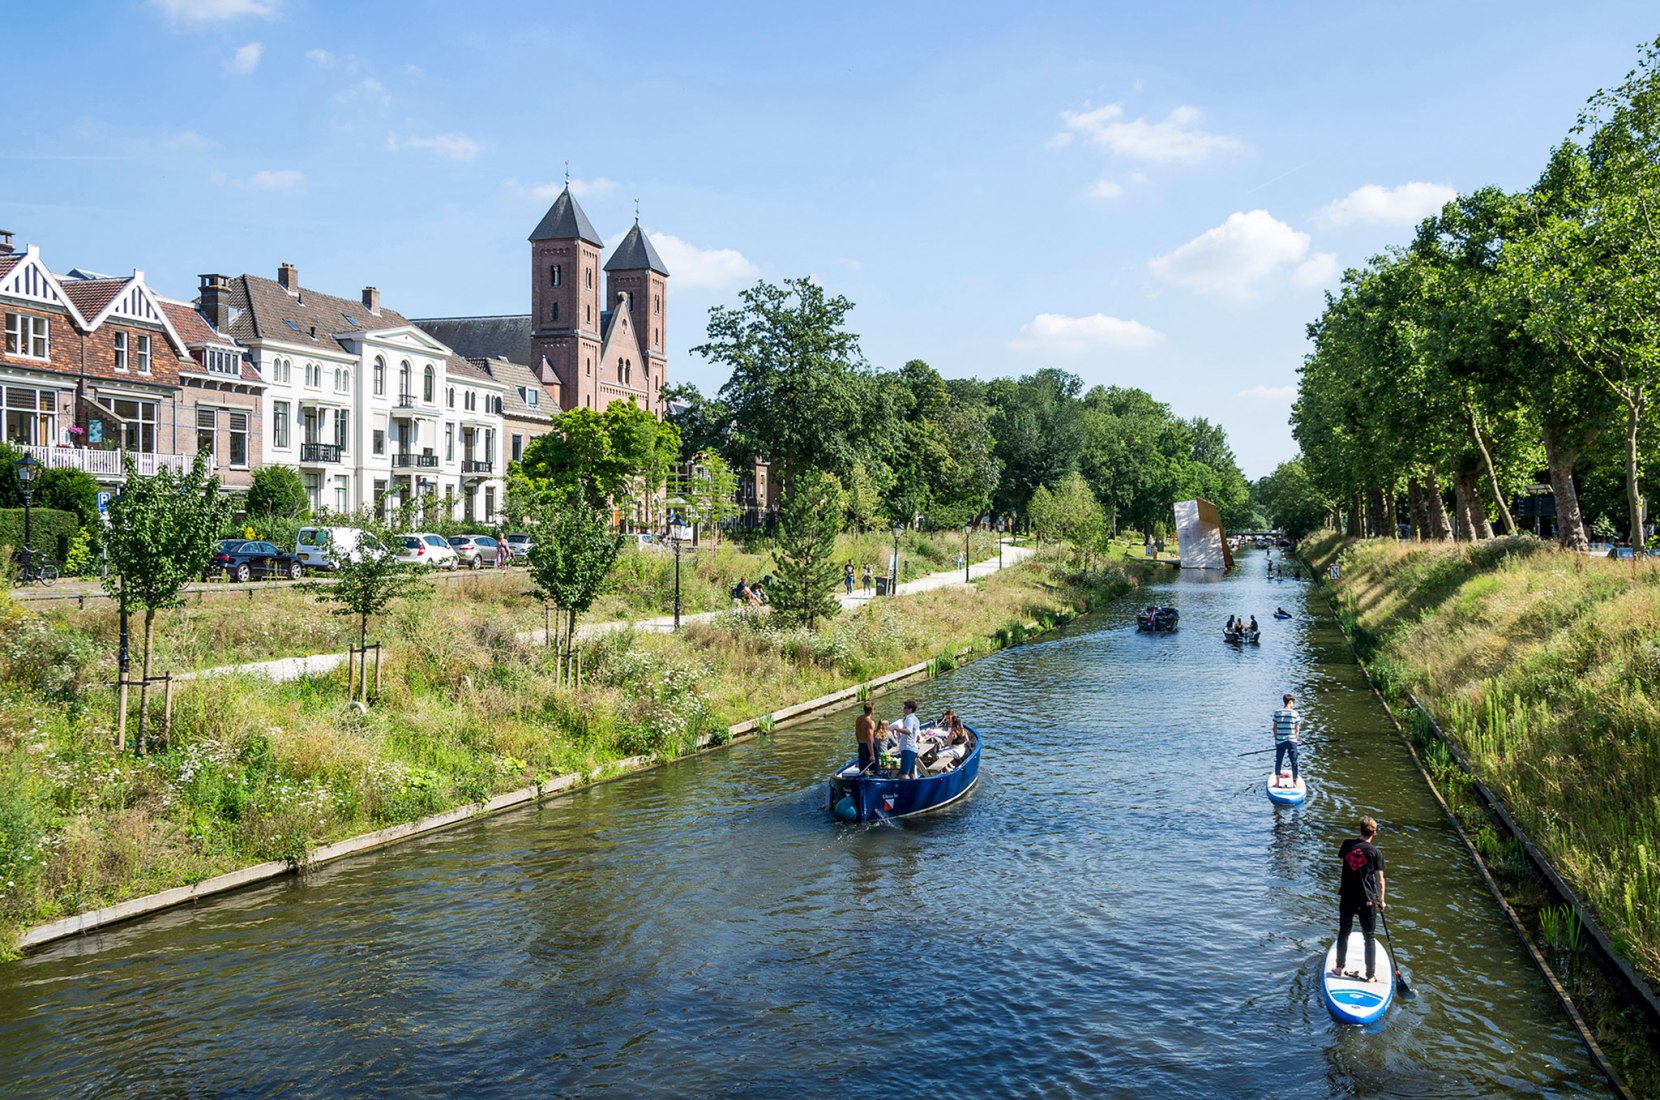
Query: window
[
  {"x": 489, "y": 444},
  {"x": 380, "y": 375},
  {"x": 429, "y": 387},
  {"x": 239, "y": 438},
  {"x": 120, "y": 350},
  {"x": 587, "y": 314},
  {"x": 279, "y": 424},
  {"x": 405, "y": 392},
  {"x": 619, "y": 370},
  {"x": 220, "y": 361},
  {"x": 588, "y": 367},
  {"x": 553, "y": 311},
  {"x": 340, "y": 484},
  {"x": 27, "y": 336},
  {"x": 449, "y": 397},
  {"x": 206, "y": 422},
  {"x": 449, "y": 442},
  {"x": 588, "y": 278},
  {"x": 342, "y": 423},
  {"x": 555, "y": 275},
  {"x": 469, "y": 400},
  {"x": 342, "y": 380},
  {"x": 518, "y": 446},
  {"x": 656, "y": 304},
  {"x": 30, "y": 415},
  {"x": 656, "y": 340},
  {"x": 314, "y": 375},
  {"x": 143, "y": 354},
  {"x": 380, "y": 441},
  {"x": 136, "y": 423}
]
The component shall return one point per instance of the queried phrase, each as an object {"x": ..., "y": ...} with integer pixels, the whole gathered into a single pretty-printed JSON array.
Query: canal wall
[{"x": 132, "y": 908}]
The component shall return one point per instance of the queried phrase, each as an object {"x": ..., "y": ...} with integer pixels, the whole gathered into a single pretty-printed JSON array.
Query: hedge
[{"x": 50, "y": 529}]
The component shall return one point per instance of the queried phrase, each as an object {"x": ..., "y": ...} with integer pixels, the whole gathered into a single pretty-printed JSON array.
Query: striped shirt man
[{"x": 1286, "y": 723}]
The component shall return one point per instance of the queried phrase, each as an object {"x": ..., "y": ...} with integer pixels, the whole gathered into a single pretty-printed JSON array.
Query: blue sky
[{"x": 1149, "y": 195}]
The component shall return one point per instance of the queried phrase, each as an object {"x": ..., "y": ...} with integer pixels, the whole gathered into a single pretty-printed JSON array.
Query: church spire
[{"x": 565, "y": 220}]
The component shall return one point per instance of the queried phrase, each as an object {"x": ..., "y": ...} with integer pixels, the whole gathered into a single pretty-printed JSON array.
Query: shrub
[
  {"x": 277, "y": 493},
  {"x": 50, "y": 529}
]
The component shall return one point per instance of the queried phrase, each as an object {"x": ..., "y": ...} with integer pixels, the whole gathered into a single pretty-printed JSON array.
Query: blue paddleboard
[
  {"x": 1288, "y": 793},
  {"x": 1355, "y": 1000}
]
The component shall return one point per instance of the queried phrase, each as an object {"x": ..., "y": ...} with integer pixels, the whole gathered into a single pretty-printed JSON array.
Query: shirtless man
[{"x": 864, "y": 732}]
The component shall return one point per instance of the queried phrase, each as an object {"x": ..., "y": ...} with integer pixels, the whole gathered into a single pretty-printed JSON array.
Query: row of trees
[
  {"x": 909, "y": 446},
  {"x": 1517, "y": 336}
]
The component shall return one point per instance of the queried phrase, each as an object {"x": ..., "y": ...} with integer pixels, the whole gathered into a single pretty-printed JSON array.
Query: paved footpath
[{"x": 292, "y": 668}]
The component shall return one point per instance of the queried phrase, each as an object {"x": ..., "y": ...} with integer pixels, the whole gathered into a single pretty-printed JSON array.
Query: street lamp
[
  {"x": 1000, "y": 545},
  {"x": 676, "y": 533},
  {"x": 893, "y": 583},
  {"x": 27, "y": 470},
  {"x": 968, "y": 529}
]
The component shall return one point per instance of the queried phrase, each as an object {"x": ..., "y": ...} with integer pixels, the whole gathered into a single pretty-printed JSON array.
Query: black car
[{"x": 244, "y": 559}]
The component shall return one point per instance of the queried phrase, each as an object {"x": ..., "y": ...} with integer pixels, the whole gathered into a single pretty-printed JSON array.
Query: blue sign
[{"x": 103, "y": 502}]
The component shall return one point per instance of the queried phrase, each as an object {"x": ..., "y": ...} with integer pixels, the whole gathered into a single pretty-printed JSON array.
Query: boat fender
[{"x": 844, "y": 809}]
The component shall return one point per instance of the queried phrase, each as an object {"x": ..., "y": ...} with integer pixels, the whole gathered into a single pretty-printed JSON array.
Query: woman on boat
[{"x": 1227, "y": 628}]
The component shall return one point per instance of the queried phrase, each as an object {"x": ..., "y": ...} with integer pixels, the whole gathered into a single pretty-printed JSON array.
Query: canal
[{"x": 1117, "y": 909}]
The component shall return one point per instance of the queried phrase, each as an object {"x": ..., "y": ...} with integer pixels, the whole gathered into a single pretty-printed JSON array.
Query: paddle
[
  {"x": 1302, "y": 747},
  {"x": 1406, "y": 991}
]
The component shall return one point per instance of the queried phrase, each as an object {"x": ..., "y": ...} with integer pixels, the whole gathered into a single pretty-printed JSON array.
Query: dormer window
[{"x": 220, "y": 361}]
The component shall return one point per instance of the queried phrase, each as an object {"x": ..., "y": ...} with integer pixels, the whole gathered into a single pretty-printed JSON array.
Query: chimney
[
  {"x": 288, "y": 276},
  {"x": 371, "y": 300},
  {"x": 5, "y": 241},
  {"x": 214, "y": 301}
]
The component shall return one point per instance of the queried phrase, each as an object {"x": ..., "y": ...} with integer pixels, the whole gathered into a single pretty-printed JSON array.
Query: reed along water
[{"x": 1117, "y": 909}]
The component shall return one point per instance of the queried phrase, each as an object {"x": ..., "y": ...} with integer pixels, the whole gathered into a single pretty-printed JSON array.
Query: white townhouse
[{"x": 370, "y": 409}]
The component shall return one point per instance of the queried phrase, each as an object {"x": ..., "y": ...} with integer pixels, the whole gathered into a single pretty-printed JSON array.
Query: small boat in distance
[
  {"x": 870, "y": 796},
  {"x": 1240, "y": 637},
  {"x": 1158, "y": 619},
  {"x": 1282, "y": 615}
]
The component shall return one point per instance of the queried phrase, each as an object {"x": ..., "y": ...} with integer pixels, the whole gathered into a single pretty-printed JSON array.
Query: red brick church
[{"x": 587, "y": 348}]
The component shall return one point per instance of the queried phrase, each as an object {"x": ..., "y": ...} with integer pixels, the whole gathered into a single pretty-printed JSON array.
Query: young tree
[
  {"x": 369, "y": 577},
  {"x": 160, "y": 538},
  {"x": 808, "y": 520},
  {"x": 623, "y": 453},
  {"x": 278, "y": 493},
  {"x": 572, "y": 552}
]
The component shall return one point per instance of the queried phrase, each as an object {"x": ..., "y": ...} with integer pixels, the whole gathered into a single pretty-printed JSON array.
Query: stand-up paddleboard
[
  {"x": 1290, "y": 793},
  {"x": 1356, "y": 1000}
]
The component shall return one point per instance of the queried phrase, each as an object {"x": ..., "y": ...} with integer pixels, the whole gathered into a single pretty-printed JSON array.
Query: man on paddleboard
[
  {"x": 1287, "y": 722},
  {"x": 1359, "y": 894}
]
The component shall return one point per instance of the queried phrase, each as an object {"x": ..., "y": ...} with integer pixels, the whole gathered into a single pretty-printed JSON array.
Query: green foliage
[
  {"x": 80, "y": 559},
  {"x": 1291, "y": 500},
  {"x": 573, "y": 551},
  {"x": 369, "y": 578},
  {"x": 708, "y": 493},
  {"x": 277, "y": 493},
  {"x": 51, "y": 530},
  {"x": 161, "y": 535},
  {"x": 623, "y": 453},
  {"x": 810, "y": 517}
]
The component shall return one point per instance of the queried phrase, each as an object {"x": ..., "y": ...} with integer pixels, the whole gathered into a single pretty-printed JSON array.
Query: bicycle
[{"x": 36, "y": 569}]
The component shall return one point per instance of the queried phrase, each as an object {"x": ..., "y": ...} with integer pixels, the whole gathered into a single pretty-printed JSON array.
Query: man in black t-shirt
[{"x": 1359, "y": 894}]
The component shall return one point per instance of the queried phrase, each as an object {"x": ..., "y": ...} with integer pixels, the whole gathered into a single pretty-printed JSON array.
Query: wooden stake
[
  {"x": 121, "y": 718},
  {"x": 167, "y": 713}
]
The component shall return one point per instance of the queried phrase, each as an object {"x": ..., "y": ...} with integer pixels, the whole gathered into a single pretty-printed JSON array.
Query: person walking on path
[
  {"x": 867, "y": 576},
  {"x": 848, "y": 578},
  {"x": 1360, "y": 893},
  {"x": 1287, "y": 724},
  {"x": 864, "y": 733}
]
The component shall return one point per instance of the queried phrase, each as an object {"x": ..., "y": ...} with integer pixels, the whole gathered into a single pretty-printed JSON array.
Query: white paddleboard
[
  {"x": 1286, "y": 793},
  {"x": 1356, "y": 1000}
]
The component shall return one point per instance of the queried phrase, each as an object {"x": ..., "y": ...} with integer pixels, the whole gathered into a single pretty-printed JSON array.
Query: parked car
[
  {"x": 245, "y": 559},
  {"x": 429, "y": 550},
  {"x": 474, "y": 551},
  {"x": 519, "y": 544},
  {"x": 318, "y": 547}
]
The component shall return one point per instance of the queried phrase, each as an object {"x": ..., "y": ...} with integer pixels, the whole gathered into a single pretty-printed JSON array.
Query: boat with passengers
[
  {"x": 946, "y": 771},
  {"x": 1158, "y": 619}
]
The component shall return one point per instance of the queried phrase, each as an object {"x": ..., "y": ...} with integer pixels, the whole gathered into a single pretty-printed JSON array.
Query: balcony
[
  {"x": 315, "y": 454},
  {"x": 403, "y": 460},
  {"x": 107, "y": 465},
  {"x": 477, "y": 467},
  {"x": 409, "y": 404}
]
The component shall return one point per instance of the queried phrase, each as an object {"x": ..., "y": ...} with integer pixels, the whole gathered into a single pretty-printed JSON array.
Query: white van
[{"x": 322, "y": 547}]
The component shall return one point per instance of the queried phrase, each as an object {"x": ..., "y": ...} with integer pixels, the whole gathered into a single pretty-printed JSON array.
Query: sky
[{"x": 1150, "y": 195}]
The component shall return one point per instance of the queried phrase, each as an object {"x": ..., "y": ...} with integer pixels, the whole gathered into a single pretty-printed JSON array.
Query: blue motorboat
[{"x": 872, "y": 796}]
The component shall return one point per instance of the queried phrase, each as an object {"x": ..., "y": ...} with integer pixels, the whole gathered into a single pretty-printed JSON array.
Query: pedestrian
[
  {"x": 502, "y": 552},
  {"x": 1360, "y": 893},
  {"x": 959, "y": 559},
  {"x": 867, "y": 576},
  {"x": 848, "y": 578},
  {"x": 864, "y": 734},
  {"x": 907, "y": 729},
  {"x": 1287, "y": 724}
]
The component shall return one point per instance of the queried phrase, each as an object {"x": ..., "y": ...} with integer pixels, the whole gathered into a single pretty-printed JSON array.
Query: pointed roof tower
[
  {"x": 634, "y": 253},
  {"x": 565, "y": 220}
]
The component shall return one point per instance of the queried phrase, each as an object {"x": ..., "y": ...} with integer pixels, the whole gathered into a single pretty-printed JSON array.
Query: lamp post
[
  {"x": 893, "y": 573},
  {"x": 27, "y": 470},
  {"x": 675, "y": 533},
  {"x": 968, "y": 529},
  {"x": 999, "y": 545}
]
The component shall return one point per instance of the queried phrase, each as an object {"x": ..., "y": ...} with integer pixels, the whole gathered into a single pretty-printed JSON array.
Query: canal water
[{"x": 1116, "y": 910}]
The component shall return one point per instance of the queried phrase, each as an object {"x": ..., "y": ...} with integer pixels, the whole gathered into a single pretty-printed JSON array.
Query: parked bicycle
[{"x": 35, "y": 568}]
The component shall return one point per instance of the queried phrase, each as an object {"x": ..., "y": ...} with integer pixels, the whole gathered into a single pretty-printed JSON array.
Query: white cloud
[
  {"x": 275, "y": 179},
  {"x": 1105, "y": 189},
  {"x": 1268, "y": 393},
  {"x": 448, "y": 146},
  {"x": 594, "y": 188},
  {"x": 1374, "y": 204},
  {"x": 214, "y": 11},
  {"x": 368, "y": 89},
  {"x": 1176, "y": 137},
  {"x": 1235, "y": 259},
  {"x": 1318, "y": 270},
  {"x": 1075, "y": 335},
  {"x": 691, "y": 266},
  {"x": 322, "y": 58},
  {"x": 245, "y": 60},
  {"x": 188, "y": 141}
]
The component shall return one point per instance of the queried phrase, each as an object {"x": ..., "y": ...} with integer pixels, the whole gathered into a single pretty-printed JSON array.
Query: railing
[
  {"x": 477, "y": 466},
  {"x": 320, "y": 452},
  {"x": 107, "y": 464},
  {"x": 406, "y": 460},
  {"x": 408, "y": 402}
]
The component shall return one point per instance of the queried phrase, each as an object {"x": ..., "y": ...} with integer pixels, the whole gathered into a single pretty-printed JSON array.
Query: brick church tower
[
  {"x": 565, "y": 303},
  {"x": 636, "y": 279}
]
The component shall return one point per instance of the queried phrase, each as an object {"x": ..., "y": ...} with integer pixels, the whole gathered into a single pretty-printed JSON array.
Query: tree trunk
[
  {"x": 1465, "y": 508},
  {"x": 1420, "y": 513},
  {"x": 1480, "y": 528},
  {"x": 144, "y": 688},
  {"x": 1492, "y": 475},
  {"x": 1560, "y": 460},
  {"x": 1440, "y": 529},
  {"x": 1353, "y": 528},
  {"x": 1383, "y": 514},
  {"x": 1633, "y": 489}
]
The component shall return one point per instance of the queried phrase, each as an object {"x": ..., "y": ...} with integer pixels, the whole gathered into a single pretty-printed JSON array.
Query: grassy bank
[
  {"x": 1544, "y": 667},
  {"x": 261, "y": 771}
]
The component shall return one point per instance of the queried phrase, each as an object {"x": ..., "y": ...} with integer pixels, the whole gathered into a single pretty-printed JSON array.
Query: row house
[
  {"x": 373, "y": 411},
  {"x": 95, "y": 369}
]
